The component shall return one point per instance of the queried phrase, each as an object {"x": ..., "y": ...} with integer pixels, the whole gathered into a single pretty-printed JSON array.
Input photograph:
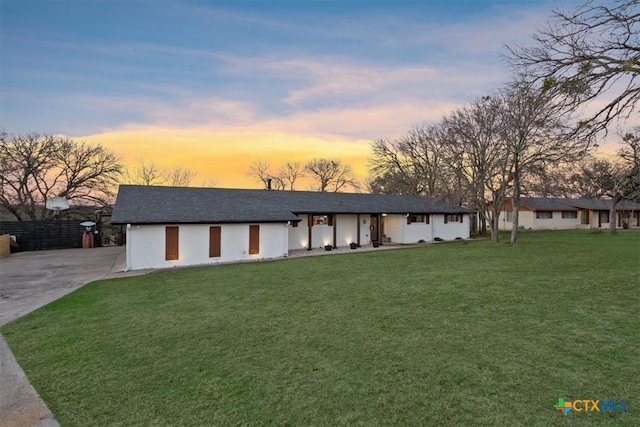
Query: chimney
[{"x": 268, "y": 184}]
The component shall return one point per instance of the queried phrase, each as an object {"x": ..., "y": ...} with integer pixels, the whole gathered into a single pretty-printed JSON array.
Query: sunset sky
[{"x": 216, "y": 85}]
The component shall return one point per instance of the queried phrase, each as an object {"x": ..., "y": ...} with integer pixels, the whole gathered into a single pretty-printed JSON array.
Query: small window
[
  {"x": 569, "y": 214},
  {"x": 509, "y": 216},
  {"x": 254, "y": 239},
  {"x": 322, "y": 220},
  {"x": 544, "y": 214},
  {"x": 294, "y": 224},
  {"x": 452, "y": 218},
  {"x": 415, "y": 218}
]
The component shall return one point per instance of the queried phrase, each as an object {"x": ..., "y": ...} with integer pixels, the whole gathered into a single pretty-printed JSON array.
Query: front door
[{"x": 375, "y": 237}]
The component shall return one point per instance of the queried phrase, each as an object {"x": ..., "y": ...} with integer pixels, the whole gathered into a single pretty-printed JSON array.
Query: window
[
  {"x": 544, "y": 214},
  {"x": 415, "y": 218},
  {"x": 294, "y": 224},
  {"x": 254, "y": 239},
  {"x": 171, "y": 243},
  {"x": 569, "y": 214},
  {"x": 322, "y": 220},
  {"x": 510, "y": 216},
  {"x": 214, "y": 241},
  {"x": 604, "y": 217},
  {"x": 452, "y": 218}
]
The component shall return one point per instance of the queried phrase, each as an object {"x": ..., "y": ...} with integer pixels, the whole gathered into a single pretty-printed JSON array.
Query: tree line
[
  {"x": 326, "y": 174},
  {"x": 34, "y": 168},
  {"x": 530, "y": 137}
]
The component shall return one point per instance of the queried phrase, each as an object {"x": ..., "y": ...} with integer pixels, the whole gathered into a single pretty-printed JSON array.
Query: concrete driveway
[{"x": 28, "y": 281}]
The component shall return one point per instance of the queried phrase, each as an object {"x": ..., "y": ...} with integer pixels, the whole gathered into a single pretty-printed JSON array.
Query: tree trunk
[
  {"x": 498, "y": 202},
  {"x": 515, "y": 202},
  {"x": 613, "y": 215},
  {"x": 495, "y": 223}
]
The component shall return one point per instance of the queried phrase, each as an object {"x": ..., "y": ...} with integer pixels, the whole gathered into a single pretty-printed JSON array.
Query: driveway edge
[{"x": 20, "y": 404}]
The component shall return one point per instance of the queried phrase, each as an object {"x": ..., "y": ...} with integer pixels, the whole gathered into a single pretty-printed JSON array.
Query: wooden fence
[{"x": 41, "y": 235}]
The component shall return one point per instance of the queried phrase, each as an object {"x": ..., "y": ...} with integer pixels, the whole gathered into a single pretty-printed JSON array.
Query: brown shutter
[
  {"x": 215, "y": 234},
  {"x": 408, "y": 219},
  {"x": 254, "y": 239},
  {"x": 171, "y": 243},
  {"x": 330, "y": 220},
  {"x": 426, "y": 218},
  {"x": 537, "y": 214},
  {"x": 446, "y": 218},
  {"x": 461, "y": 218}
]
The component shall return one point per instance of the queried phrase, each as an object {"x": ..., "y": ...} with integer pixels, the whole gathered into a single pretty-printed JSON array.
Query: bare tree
[
  {"x": 330, "y": 174},
  {"x": 588, "y": 178},
  {"x": 145, "y": 174},
  {"x": 180, "y": 176},
  {"x": 37, "y": 167},
  {"x": 589, "y": 54},
  {"x": 260, "y": 171},
  {"x": 534, "y": 129},
  {"x": 289, "y": 174},
  {"x": 413, "y": 164},
  {"x": 475, "y": 150},
  {"x": 209, "y": 182},
  {"x": 625, "y": 176},
  {"x": 148, "y": 173}
]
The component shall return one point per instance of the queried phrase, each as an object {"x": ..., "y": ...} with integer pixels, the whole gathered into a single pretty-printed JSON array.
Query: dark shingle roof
[
  {"x": 602, "y": 204},
  {"x": 155, "y": 205},
  {"x": 564, "y": 204},
  {"x": 546, "y": 204}
]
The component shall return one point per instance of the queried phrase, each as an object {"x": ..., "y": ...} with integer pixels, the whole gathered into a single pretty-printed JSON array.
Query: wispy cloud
[{"x": 240, "y": 80}]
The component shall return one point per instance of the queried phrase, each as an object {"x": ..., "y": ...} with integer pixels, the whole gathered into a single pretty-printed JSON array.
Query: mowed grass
[{"x": 461, "y": 333}]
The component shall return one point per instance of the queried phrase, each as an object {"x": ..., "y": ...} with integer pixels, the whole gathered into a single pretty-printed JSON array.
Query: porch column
[
  {"x": 335, "y": 228},
  {"x": 309, "y": 225}
]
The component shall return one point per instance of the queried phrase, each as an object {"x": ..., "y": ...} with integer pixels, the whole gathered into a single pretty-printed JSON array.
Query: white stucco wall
[
  {"x": 417, "y": 231},
  {"x": 396, "y": 227},
  {"x": 450, "y": 230},
  {"x": 299, "y": 236},
  {"x": 527, "y": 219},
  {"x": 393, "y": 227},
  {"x": 146, "y": 244},
  {"x": 555, "y": 223},
  {"x": 321, "y": 235},
  {"x": 347, "y": 229}
]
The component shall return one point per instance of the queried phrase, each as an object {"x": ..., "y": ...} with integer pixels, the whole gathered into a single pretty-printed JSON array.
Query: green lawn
[{"x": 461, "y": 333}]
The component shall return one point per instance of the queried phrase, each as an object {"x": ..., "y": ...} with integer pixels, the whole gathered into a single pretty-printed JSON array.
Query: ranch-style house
[{"x": 180, "y": 226}]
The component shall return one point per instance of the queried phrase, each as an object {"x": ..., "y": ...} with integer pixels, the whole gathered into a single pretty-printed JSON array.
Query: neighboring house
[
  {"x": 176, "y": 226},
  {"x": 563, "y": 213}
]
